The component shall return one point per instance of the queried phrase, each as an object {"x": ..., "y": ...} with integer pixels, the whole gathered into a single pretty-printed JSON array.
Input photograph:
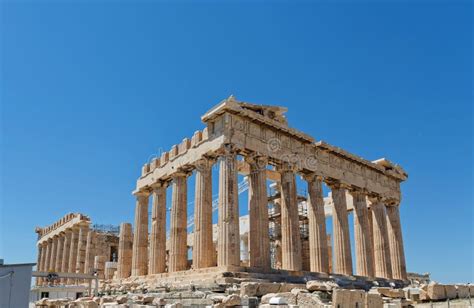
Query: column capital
[
  {"x": 180, "y": 173},
  {"x": 141, "y": 193},
  {"x": 391, "y": 202},
  {"x": 336, "y": 184},
  {"x": 286, "y": 166},
  {"x": 312, "y": 177},
  {"x": 159, "y": 184},
  {"x": 356, "y": 191},
  {"x": 205, "y": 163},
  {"x": 374, "y": 198}
]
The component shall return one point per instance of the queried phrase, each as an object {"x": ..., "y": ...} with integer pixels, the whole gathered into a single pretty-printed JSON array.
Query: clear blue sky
[{"x": 90, "y": 90}]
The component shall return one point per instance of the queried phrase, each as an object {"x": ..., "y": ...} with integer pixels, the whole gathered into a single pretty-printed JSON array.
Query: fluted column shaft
[
  {"x": 59, "y": 253},
  {"x": 90, "y": 251},
  {"x": 124, "y": 266},
  {"x": 38, "y": 264},
  {"x": 157, "y": 260},
  {"x": 66, "y": 254},
  {"x": 363, "y": 241},
  {"x": 318, "y": 244},
  {"x": 47, "y": 258},
  {"x": 178, "y": 254},
  {"x": 203, "y": 254},
  {"x": 383, "y": 267},
  {"x": 259, "y": 240},
  {"x": 81, "y": 249},
  {"x": 340, "y": 222},
  {"x": 73, "y": 253},
  {"x": 140, "y": 236},
  {"x": 290, "y": 229},
  {"x": 228, "y": 243},
  {"x": 52, "y": 258},
  {"x": 397, "y": 253}
]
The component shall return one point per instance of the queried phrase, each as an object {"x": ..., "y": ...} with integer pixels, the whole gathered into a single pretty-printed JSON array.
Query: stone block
[
  {"x": 289, "y": 297},
  {"x": 184, "y": 146},
  {"x": 436, "y": 291},
  {"x": 389, "y": 292},
  {"x": 316, "y": 285},
  {"x": 164, "y": 158},
  {"x": 231, "y": 300},
  {"x": 248, "y": 289},
  {"x": 309, "y": 300},
  {"x": 268, "y": 287},
  {"x": 348, "y": 298},
  {"x": 287, "y": 287},
  {"x": 450, "y": 291},
  {"x": 373, "y": 300},
  {"x": 173, "y": 152},
  {"x": 462, "y": 290},
  {"x": 196, "y": 139},
  {"x": 471, "y": 290}
]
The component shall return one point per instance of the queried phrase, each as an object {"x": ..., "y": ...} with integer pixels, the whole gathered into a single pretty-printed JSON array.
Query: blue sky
[{"x": 90, "y": 90}]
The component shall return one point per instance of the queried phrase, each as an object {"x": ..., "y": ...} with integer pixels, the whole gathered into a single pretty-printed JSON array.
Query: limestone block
[
  {"x": 316, "y": 285},
  {"x": 436, "y": 291},
  {"x": 121, "y": 299},
  {"x": 231, "y": 300},
  {"x": 196, "y": 139},
  {"x": 248, "y": 289},
  {"x": 373, "y": 300},
  {"x": 173, "y": 152},
  {"x": 348, "y": 298},
  {"x": 297, "y": 291},
  {"x": 450, "y": 291},
  {"x": 184, "y": 146},
  {"x": 471, "y": 290},
  {"x": 287, "y": 287},
  {"x": 288, "y": 296},
  {"x": 309, "y": 300},
  {"x": 462, "y": 291},
  {"x": 389, "y": 292}
]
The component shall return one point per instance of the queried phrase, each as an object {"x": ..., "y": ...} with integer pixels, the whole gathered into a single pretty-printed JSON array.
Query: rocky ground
[{"x": 278, "y": 295}]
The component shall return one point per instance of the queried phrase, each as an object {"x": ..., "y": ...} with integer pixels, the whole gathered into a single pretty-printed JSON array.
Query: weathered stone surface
[
  {"x": 436, "y": 291},
  {"x": 231, "y": 300},
  {"x": 316, "y": 285},
  {"x": 373, "y": 300},
  {"x": 348, "y": 298},
  {"x": 288, "y": 296},
  {"x": 450, "y": 291},
  {"x": 389, "y": 292},
  {"x": 462, "y": 290},
  {"x": 309, "y": 300}
]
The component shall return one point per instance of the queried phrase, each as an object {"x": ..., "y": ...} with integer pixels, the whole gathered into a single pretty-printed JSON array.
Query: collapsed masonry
[
  {"x": 73, "y": 245},
  {"x": 257, "y": 142}
]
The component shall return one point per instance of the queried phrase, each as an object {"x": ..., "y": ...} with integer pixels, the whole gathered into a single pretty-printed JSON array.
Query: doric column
[
  {"x": 203, "y": 255},
  {"x": 397, "y": 254},
  {"x": 124, "y": 266},
  {"x": 340, "y": 223},
  {"x": 59, "y": 253},
  {"x": 38, "y": 264},
  {"x": 178, "y": 254},
  {"x": 228, "y": 241},
  {"x": 318, "y": 244},
  {"x": 363, "y": 241},
  {"x": 52, "y": 258},
  {"x": 73, "y": 253},
  {"x": 90, "y": 252},
  {"x": 140, "y": 236},
  {"x": 290, "y": 228},
  {"x": 259, "y": 240},
  {"x": 66, "y": 254},
  {"x": 383, "y": 267},
  {"x": 81, "y": 248},
  {"x": 47, "y": 257},
  {"x": 157, "y": 260}
]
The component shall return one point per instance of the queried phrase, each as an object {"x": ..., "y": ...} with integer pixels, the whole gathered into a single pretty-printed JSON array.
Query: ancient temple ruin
[
  {"x": 74, "y": 245},
  {"x": 256, "y": 141}
]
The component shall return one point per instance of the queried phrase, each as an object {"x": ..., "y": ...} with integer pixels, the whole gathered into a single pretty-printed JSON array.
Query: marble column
[
  {"x": 363, "y": 241},
  {"x": 38, "y": 264},
  {"x": 90, "y": 252},
  {"x": 140, "y": 236},
  {"x": 157, "y": 259},
  {"x": 383, "y": 267},
  {"x": 202, "y": 243},
  {"x": 47, "y": 257},
  {"x": 59, "y": 253},
  {"x": 318, "y": 246},
  {"x": 397, "y": 254},
  {"x": 81, "y": 249},
  {"x": 73, "y": 253},
  {"x": 290, "y": 228},
  {"x": 340, "y": 223},
  {"x": 259, "y": 238},
  {"x": 66, "y": 254},
  {"x": 124, "y": 266},
  {"x": 228, "y": 242},
  {"x": 52, "y": 258},
  {"x": 178, "y": 253}
]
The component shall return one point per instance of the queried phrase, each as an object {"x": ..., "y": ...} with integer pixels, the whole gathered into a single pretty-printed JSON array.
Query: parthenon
[{"x": 256, "y": 141}]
